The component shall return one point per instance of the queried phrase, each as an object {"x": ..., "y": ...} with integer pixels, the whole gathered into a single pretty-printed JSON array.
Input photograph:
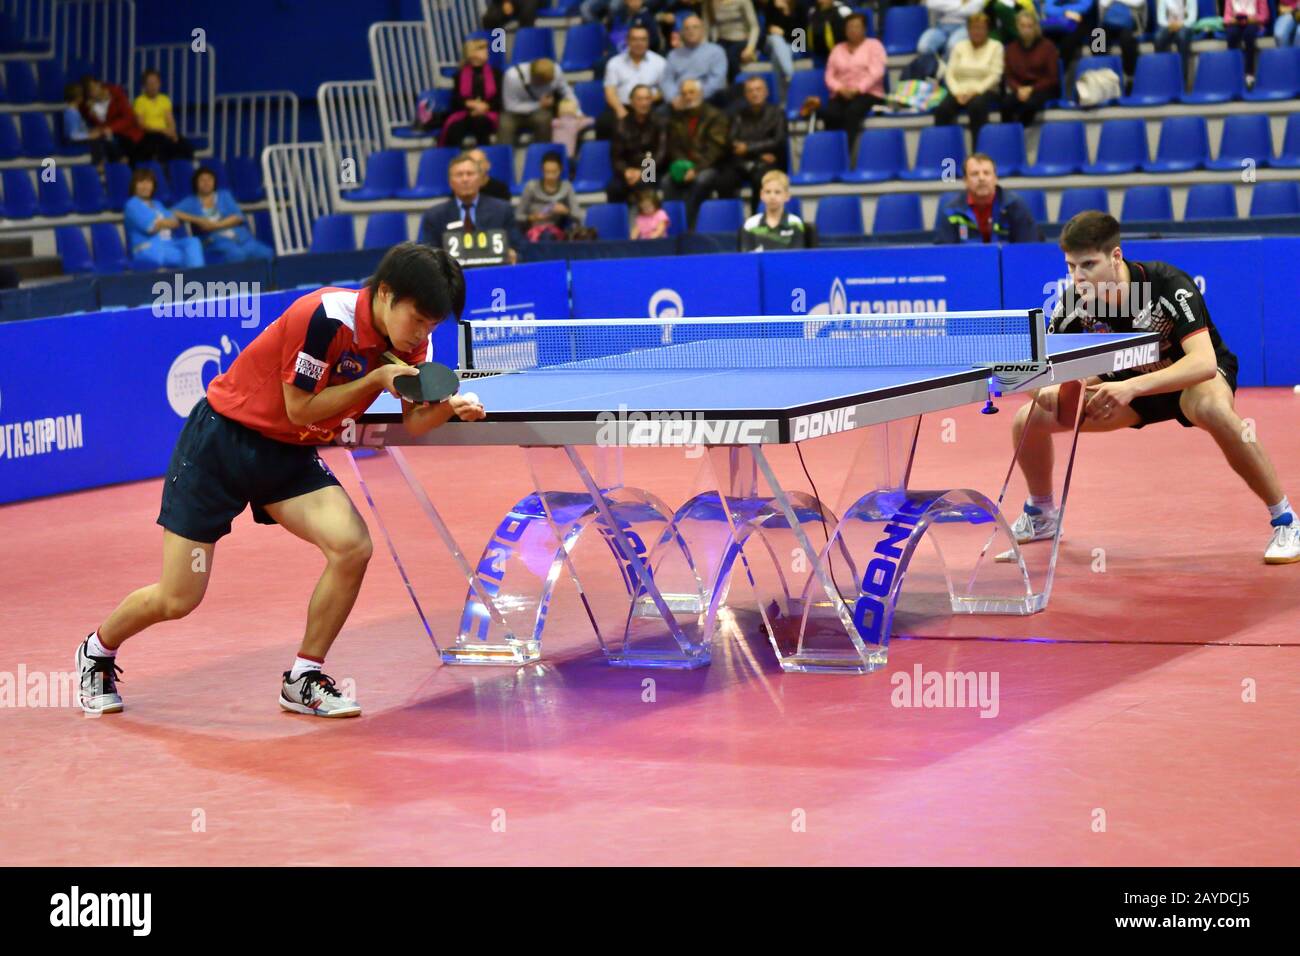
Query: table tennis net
[{"x": 963, "y": 339}]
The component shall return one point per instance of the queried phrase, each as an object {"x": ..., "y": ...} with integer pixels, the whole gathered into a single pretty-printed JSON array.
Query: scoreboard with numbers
[{"x": 478, "y": 247}]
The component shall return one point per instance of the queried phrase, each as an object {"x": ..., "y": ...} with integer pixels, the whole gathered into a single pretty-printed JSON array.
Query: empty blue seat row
[{"x": 32, "y": 137}]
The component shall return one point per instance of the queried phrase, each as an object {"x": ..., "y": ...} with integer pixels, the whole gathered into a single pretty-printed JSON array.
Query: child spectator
[
  {"x": 153, "y": 109},
  {"x": 651, "y": 221},
  {"x": 75, "y": 131},
  {"x": 774, "y": 227},
  {"x": 149, "y": 226},
  {"x": 531, "y": 94},
  {"x": 1243, "y": 23},
  {"x": 1174, "y": 19},
  {"x": 548, "y": 208},
  {"x": 1032, "y": 74},
  {"x": 475, "y": 99},
  {"x": 218, "y": 221}
]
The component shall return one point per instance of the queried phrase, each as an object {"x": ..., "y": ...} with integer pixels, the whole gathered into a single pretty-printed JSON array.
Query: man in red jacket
[{"x": 105, "y": 106}]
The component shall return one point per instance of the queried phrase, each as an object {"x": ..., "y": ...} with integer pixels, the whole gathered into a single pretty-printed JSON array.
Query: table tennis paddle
[{"x": 435, "y": 382}]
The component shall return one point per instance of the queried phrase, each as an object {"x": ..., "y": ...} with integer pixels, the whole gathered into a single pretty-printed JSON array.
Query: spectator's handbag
[
  {"x": 919, "y": 95},
  {"x": 546, "y": 232},
  {"x": 427, "y": 115},
  {"x": 1208, "y": 25},
  {"x": 1098, "y": 86}
]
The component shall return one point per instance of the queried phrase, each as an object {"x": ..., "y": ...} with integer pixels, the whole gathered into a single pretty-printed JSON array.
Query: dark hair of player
[
  {"x": 1091, "y": 229},
  {"x": 428, "y": 276}
]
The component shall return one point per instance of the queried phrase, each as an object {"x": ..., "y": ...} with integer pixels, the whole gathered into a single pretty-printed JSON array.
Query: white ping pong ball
[
  {"x": 471, "y": 397},
  {"x": 1296, "y": 390}
]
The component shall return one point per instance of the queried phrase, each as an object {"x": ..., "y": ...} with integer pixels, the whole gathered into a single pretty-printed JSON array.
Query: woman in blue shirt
[
  {"x": 149, "y": 226},
  {"x": 217, "y": 218}
]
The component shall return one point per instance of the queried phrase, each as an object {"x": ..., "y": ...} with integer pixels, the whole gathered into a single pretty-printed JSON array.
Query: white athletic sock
[
  {"x": 1044, "y": 503},
  {"x": 302, "y": 665},
  {"x": 1281, "y": 508},
  {"x": 95, "y": 649}
]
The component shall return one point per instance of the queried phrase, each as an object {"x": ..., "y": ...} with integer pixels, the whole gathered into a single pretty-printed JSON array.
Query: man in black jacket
[
  {"x": 469, "y": 209},
  {"x": 758, "y": 138},
  {"x": 638, "y": 135}
]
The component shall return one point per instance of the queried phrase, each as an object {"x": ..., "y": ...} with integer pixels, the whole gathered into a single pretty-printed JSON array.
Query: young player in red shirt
[{"x": 253, "y": 440}]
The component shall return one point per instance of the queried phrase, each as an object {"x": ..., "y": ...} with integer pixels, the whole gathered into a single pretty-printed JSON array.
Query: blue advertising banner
[
  {"x": 880, "y": 281},
  {"x": 1280, "y": 336},
  {"x": 667, "y": 287}
]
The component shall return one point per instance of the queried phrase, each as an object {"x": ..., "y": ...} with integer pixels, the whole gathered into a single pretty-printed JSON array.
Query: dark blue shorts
[{"x": 219, "y": 466}]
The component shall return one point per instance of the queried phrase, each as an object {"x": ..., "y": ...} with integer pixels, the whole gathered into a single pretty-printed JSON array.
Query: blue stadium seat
[
  {"x": 1147, "y": 203},
  {"x": 385, "y": 176},
  {"x": 20, "y": 83},
  {"x": 117, "y": 185},
  {"x": 163, "y": 192},
  {"x": 50, "y": 80},
  {"x": 584, "y": 44},
  {"x": 794, "y": 207},
  {"x": 825, "y": 157},
  {"x": 87, "y": 190},
  {"x": 431, "y": 174},
  {"x": 72, "y": 248},
  {"x": 720, "y": 215},
  {"x": 1005, "y": 142},
  {"x": 1289, "y": 158},
  {"x": 333, "y": 232},
  {"x": 896, "y": 212},
  {"x": 260, "y": 222},
  {"x": 561, "y": 8},
  {"x": 1220, "y": 77},
  {"x": 1277, "y": 75},
  {"x": 385, "y": 229},
  {"x": 1275, "y": 199},
  {"x": 1245, "y": 137},
  {"x": 246, "y": 179},
  {"x": 501, "y": 164},
  {"x": 1100, "y": 62},
  {"x": 840, "y": 215},
  {"x": 180, "y": 175},
  {"x": 938, "y": 146},
  {"x": 55, "y": 196},
  {"x": 532, "y": 43},
  {"x": 1062, "y": 150},
  {"x": 1122, "y": 148},
  {"x": 609, "y": 219},
  {"x": 1184, "y": 145},
  {"x": 903, "y": 28},
  {"x": 594, "y": 168},
  {"x": 1157, "y": 80},
  {"x": 591, "y": 97},
  {"x": 20, "y": 195},
  {"x": 1081, "y": 199},
  {"x": 1036, "y": 199},
  {"x": 38, "y": 141},
  {"x": 803, "y": 84},
  {"x": 676, "y": 209},
  {"x": 11, "y": 146},
  {"x": 110, "y": 253},
  {"x": 533, "y": 161},
  {"x": 1210, "y": 201},
  {"x": 882, "y": 155}
]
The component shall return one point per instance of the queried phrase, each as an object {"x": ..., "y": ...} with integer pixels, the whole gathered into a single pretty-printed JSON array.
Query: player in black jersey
[{"x": 1193, "y": 380}]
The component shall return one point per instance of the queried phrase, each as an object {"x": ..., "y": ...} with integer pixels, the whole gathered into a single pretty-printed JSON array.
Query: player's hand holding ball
[{"x": 467, "y": 407}]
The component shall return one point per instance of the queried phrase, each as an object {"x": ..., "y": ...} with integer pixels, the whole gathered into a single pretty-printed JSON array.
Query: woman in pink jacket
[{"x": 855, "y": 78}]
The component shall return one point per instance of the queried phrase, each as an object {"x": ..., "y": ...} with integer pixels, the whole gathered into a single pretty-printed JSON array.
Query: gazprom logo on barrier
[
  {"x": 185, "y": 385},
  {"x": 878, "y": 579},
  {"x": 823, "y": 423},
  {"x": 838, "y": 301},
  {"x": 1136, "y": 356}
]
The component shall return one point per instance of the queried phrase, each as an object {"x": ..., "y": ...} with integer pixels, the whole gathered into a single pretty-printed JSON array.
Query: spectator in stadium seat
[
  {"x": 758, "y": 137},
  {"x": 486, "y": 184},
  {"x": 671, "y": 14},
  {"x": 475, "y": 97},
  {"x": 629, "y": 14},
  {"x": 468, "y": 208},
  {"x": 531, "y": 94},
  {"x": 650, "y": 221},
  {"x": 1031, "y": 76},
  {"x": 1002, "y": 18},
  {"x": 637, "y": 66},
  {"x": 75, "y": 131},
  {"x": 826, "y": 28},
  {"x": 782, "y": 18},
  {"x": 218, "y": 221},
  {"x": 973, "y": 78},
  {"x": 1286, "y": 31},
  {"x": 149, "y": 226},
  {"x": 640, "y": 135},
  {"x": 774, "y": 227},
  {"x": 855, "y": 79},
  {"x": 1071, "y": 27},
  {"x": 153, "y": 108},
  {"x": 696, "y": 58},
  {"x": 985, "y": 212},
  {"x": 549, "y": 208},
  {"x": 1244, "y": 21},
  {"x": 105, "y": 106},
  {"x": 949, "y": 28},
  {"x": 733, "y": 25},
  {"x": 500, "y": 12},
  {"x": 1174, "y": 18},
  {"x": 1124, "y": 21},
  {"x": 698, "y": 149}
]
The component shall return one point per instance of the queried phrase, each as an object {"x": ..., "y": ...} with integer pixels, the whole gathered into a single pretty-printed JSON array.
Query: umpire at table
[{"x": 469, "y": 208}]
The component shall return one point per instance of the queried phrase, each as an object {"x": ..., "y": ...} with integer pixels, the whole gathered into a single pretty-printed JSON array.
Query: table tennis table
[{"x": 572, "y": 394}]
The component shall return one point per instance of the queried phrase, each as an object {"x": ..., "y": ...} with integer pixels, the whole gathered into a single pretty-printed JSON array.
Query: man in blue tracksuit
[{"x": 985, "y": 212}]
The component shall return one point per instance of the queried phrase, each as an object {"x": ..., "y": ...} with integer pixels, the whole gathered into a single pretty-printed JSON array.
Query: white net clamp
[{"x": 1037, "y": 369}]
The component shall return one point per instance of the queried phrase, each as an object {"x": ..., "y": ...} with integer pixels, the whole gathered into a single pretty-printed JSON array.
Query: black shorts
[
  {"x": 1165, "y": 406},
  {"x": 219, "y": 466}
]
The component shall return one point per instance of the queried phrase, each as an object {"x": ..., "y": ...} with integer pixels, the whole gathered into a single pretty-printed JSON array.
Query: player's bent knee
[
  {"x": 173, "y": 607},
  {"x": 1214, "y": 416},
  {"x": 355, "y": 552}
]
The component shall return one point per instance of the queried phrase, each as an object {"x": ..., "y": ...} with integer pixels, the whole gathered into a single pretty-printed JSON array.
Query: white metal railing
[
  {"x": 99, "y": 34},
  {"x": 33, "y": 19},
  {"x": 246, "y": 123},
  {"x": 401, "y": 54},
  {"x": 352, "y": 129},
  {"x": 297, "y": 190},
  {"x": 450, "y": 22},
  {"x": 189, "y": 79}
]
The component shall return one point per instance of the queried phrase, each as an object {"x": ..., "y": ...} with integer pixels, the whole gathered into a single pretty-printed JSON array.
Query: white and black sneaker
[
  {"x": 314, "y": 693},
  {"x": 97, "y": 693},
  {"x": 1034, "y": 524},
  {"x": 1284, "y": 546}
]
